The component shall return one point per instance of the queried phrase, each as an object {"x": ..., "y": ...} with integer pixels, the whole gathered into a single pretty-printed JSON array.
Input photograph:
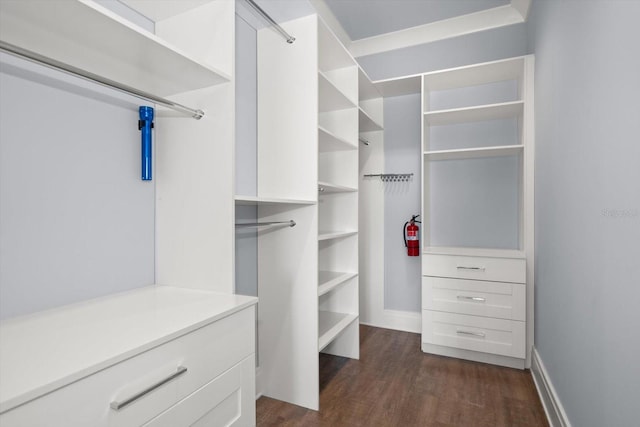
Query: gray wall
[
  {"x": 402, "y": 115},
  {"x": 588, "y": 206},
  {"x": 76, "y": 221}
]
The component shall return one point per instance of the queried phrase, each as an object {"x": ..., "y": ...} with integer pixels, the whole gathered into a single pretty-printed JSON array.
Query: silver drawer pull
[
  {"x": 120, "y": 405},
  {"x": 462, "y": 267},
  {"x": 470, "y": 333},
  {"x": 466, "y": 298}
]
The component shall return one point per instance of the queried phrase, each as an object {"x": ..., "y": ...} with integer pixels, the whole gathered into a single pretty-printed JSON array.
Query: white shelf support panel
[
  {"x": 331, "y": 325},
  {"x": 474, "y": 114}
]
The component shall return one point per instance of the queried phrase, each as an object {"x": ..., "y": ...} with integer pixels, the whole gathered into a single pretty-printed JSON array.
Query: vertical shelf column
[{"x": 338, "y": 293}]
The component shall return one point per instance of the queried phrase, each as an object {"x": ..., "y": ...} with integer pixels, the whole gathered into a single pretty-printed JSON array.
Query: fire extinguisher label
[{"x": 412, "y": 235}]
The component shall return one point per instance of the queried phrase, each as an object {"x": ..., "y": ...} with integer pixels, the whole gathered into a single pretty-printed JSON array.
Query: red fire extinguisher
[{"x": 411, "y": 234}]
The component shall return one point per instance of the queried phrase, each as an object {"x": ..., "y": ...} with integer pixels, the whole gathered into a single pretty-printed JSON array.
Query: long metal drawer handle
[
  {"x": 464, "y": 297},
  {"x": 119, "y": 405},
  {"x": 462, "y": 267},
  {"x": 473, "y": 334}
]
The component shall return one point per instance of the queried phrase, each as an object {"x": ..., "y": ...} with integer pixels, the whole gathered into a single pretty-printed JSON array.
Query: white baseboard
[
  {"x": 259, "y": 385},
  {"x": 406, "y": 321},
  {"x": 552, "y": 406}
]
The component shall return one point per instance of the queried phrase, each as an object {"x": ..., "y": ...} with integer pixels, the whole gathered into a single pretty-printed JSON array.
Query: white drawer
[
  {"x": 483, "y": 334},
  {"x": 205, "y": 352},
  {"x": 474, "y": 297},
  {"x": 512, "y": 270},
  {"x": 228, "y": 400}
]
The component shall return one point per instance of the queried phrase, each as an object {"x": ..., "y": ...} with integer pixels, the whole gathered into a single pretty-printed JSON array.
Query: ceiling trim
[{"x": 514, "y": 13}]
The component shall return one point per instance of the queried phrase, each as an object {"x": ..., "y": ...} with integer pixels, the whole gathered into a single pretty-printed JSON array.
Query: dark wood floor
[{"x": 394, "y": 384}]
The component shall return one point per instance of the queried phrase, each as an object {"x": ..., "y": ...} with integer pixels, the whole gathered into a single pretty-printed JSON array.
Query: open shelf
[
  {"x": 257, "y": 201},
  {"x": 474, "y": 114},
  {"x": 474, "y": 153},
  {"x": 330, "y": 235},
  {"x": 330, "y": 325},
  {"x": 367, "y": 124},
  {"x": 327, "y": 187},
  {"x": 72, "y": 32},
  {"x": 399, "y": 86},
  {"x": 330, "y": 96},
  {"x": 479, "y": 252},
  {"x": 329, "y": 280},
  {"x": 328, "y": 141}
]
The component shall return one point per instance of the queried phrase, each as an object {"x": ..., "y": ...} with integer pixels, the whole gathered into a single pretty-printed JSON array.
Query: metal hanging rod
[
  {"x": 288, "y": 37},
  {"x": 86, "y": 75},
  {"x": 391, "y": 177},
  {"x": 290, "y": 223},
  {"x": 364, "y": 141}
]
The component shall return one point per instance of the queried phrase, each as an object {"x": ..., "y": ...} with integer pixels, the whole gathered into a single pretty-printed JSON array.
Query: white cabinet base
[{"x": 494, "y": 359}]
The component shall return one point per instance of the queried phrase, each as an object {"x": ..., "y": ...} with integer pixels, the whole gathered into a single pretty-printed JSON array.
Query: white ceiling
[{"x": 366, "y": 18}]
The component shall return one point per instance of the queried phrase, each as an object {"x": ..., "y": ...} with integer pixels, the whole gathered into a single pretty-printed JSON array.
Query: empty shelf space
[
  {"x": 330, "y": 97},
  {"x": 366, "y": 123},
  {"x": 129, "y": 56},
  {"x": 256, "y": 201},
  {"x": 329, "y": 280},
  {"x": 328, "y": 141},
  {"x": 327, "y": 187},
  {"x": 474, "y": 114},
  {"x": 330, "y": 325},
  {"x": 474, "y": 153},
  {"x": 329, "y": 235}
]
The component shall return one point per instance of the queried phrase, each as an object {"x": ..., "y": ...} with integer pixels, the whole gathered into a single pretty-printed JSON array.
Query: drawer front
[
  {"x": 477, "y": 268},
  {"x": 474, "y": 297},
  {"x": 228, "y": 400},
  {"x": 483, "y": 334},
  {"x": 205, "y": 352}
]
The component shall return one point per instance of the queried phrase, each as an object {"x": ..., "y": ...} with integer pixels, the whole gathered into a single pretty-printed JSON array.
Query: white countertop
[{"x": 45, "y": 351}]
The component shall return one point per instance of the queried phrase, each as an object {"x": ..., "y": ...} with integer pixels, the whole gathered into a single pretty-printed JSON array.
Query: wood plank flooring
[{"x": 395, "y": 384}]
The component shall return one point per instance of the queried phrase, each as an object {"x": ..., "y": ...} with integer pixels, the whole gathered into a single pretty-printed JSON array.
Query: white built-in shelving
[
  {"x": 366, "y": 122},
  {"x": 331, "y": 325},
  {"x": 331, "y": 235},
  {"x": 328, "y": 141},
  {"x": 498, "y": 94},
  {"x": 330, "y": 280},
  {"x": 259, "y": 201},
  {"x": 337, "y": 198},
  {"x": 471, "y": 153},
  {"x": 307, "y": 171}
]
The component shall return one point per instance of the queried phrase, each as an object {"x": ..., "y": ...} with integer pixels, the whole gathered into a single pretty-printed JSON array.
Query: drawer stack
[{"x": 474, "y": 307}]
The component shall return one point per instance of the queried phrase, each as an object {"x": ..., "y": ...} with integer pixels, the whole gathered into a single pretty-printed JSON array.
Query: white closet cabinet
[
  {"x": 307, "y": 166},
  {"x": 65, "y": 366},
  {"x": 90, "y": 364},
  {"x": 477, "y": 261}
]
